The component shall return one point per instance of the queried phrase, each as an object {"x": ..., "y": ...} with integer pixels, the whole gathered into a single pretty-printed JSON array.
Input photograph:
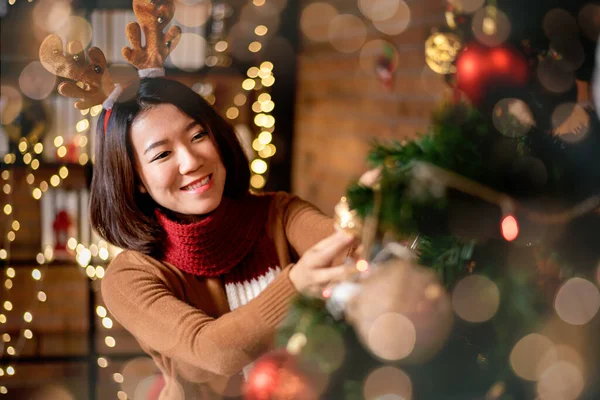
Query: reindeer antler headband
[{"x": 91, "y": 81}]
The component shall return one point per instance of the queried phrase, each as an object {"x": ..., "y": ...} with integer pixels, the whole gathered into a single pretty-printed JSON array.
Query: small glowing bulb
[
  {"x": 255, "y": 47},
  {"x": 261, "y": 30},
  {"x": 510, "y": 228},
  {"x": 101, "y": 311},
  {"x": 28, "y": 334},
  {"x": 36, "y": 274},
  {"x": 42, "y": 296},
  {"x": 27, "y": 317},
  {"x": 16, "y": 225},
  {"x": 362, "y": 265},
  {"x": 248, "y": 84},
  {"x": 110, "y": 341},
  {"x": 107, "y": 323},
  {"x": 10, "y": 272}
]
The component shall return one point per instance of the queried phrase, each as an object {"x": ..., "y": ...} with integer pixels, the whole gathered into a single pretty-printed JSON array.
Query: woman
[{"x": 208, "y": 269}]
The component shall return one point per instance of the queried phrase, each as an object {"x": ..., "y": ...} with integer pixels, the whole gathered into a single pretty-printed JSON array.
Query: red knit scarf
[{"x": 231, "y": 242}]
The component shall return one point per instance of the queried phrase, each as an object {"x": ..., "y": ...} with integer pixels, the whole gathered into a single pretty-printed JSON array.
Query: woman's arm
[
  {"x": 140, "y": 293},
  {"x": 305, "y": 225}
]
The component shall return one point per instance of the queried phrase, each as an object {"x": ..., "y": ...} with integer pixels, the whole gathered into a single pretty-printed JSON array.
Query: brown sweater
[{"x": 184, "y": 321}]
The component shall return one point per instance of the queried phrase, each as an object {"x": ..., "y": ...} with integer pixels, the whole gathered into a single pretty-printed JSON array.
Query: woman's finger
[
  {"x": 334, "y": 274},
  {"x": 326, "y": 250}
]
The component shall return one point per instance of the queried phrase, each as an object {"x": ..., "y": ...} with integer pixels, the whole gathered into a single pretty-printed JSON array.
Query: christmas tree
[{"x": 481, "y": 264}]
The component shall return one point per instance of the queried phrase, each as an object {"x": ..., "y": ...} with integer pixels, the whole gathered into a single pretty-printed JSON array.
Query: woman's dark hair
[{"x": 120, "y": 213}]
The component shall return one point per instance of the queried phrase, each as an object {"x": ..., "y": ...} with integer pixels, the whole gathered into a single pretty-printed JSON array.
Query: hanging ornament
[
  {"x": 278, "y": 375},
  {"x": 401, "y": 312},
  {"x": 480, "y": 68},
  {"x": 441, "y": 50},
  {"x": 386, "y": 64}
]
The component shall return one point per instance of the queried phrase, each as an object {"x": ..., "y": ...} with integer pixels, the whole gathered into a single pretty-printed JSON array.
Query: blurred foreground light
[
  {"x": 12, "y": 103},
  {"x": 476, "y": 298},
  {"x": 347, "y": 33},
  {"x": 392, "y": 336},
  {"x": 396, "y": 23},
  {"x": 527, "y": 354},
  {"x": 562, "y": 380},
  {"x": 388, "y": 383},
  {"x": 315, "y": 19},
  {"x": 577, "y": 301},
  {"x": 509, "y": 228},
  {"x": 36, "y": 82}
]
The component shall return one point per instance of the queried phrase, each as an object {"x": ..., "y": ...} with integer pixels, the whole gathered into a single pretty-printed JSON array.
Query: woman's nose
[{"x": 189, "y": 161}]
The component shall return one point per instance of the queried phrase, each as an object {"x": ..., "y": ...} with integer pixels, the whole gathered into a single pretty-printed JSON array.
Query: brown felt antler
[
  {"x": 92, "y": 75},
  {"x": 153, "y": 16}
]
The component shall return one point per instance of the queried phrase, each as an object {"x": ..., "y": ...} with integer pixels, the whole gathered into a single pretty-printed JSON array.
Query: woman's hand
[{"x": 314, "y": 271}]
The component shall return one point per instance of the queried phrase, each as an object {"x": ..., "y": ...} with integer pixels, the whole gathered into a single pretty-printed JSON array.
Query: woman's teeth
[{"x": 198, "y": 184}]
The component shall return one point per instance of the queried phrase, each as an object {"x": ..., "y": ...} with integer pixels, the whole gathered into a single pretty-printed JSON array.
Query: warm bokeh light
[
  {"x": 192, "y": 14},
  {"x": 257, "y": 181},
  {"x": 12, "y": 102},
  {"x": 388, "y": 383},
  {"x": 491, "y": 26},
  {"x": 261, "y": 30},
  {"x": 232, "y": 112},
  {"x": 248, "y": 84},
  {"x": 378, "y": 10},
  {"x": 392, "y": 336},
  {"x": 577, "y": 301},
  {"x": 509, "y": 228},
  {"x": 180, "y": 55},
  {"x": 467, "y": 6},
  {"x": 527, "y": 354},
  {"x": 347, "y": 33},
  {"x": 561, "y": 381},
  {"x": 258, "y": 166},
  {"x": 571, "y": 122},
  {"x": 255, "y": 47},
  {"x": 36, "y": 82},
  {"x": 51, "y": 15},
  {"x": 554, "y": 78},
  {"x": 476, "y": 298},
  {"x": 512, "y": 117},
  {"x": 76, "y": 29},
  {"x": 396, "y": 23},
  {"x": 315, "y": 20}
]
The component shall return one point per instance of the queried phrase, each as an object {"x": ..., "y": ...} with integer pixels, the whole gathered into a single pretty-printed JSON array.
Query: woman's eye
[
  {"x": 199, "y": 135},
  {"x": 161, "y": 155}
]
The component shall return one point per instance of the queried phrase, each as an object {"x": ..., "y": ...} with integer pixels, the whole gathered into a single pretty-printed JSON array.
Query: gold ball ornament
[
  {"x": 441, "y": 50},
  {"x": 402, "y": 312}
]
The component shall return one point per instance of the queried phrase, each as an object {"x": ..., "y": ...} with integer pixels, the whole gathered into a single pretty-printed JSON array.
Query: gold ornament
[
  {"x": 401, "y": 312},
  {"x": 441, "y": 50}
]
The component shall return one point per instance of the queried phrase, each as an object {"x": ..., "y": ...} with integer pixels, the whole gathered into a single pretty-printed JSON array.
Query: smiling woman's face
[{"x": 177, "y": 163}]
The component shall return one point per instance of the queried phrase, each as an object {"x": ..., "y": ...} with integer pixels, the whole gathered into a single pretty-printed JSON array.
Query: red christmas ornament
[
  {"x": 477, "y": 68},
  {"x": 278, "y": 376}
]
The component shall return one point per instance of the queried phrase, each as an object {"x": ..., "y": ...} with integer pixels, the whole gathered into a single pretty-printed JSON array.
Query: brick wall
[{"x": 341, "y": 107}]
